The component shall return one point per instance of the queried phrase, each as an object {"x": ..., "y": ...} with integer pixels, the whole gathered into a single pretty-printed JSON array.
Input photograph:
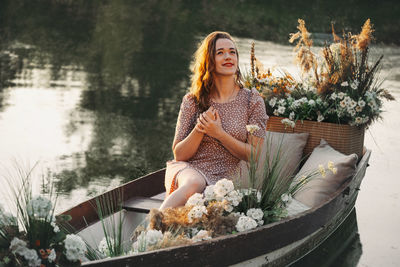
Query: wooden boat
[{"x": 276, "y": 244}]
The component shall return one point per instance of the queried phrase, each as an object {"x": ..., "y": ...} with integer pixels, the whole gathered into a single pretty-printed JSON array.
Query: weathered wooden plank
[{"x": 85, "y": 213}]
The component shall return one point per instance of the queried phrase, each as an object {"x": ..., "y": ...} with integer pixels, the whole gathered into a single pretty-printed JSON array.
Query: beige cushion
[
  {"x": 290, "y": 147},
  {"x": 319, "y": 188}
]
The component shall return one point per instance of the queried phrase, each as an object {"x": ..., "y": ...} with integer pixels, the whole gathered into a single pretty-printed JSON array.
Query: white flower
[
  {"x": 344, "y": 84},
  {"x": 288, "y": 122},
  {"x": 295, "y": 104},
  {"x": 251, "y": 128},
  {"x": 281, "y": 110},
  {"x": 358, "y": 120},
  {"x": 361, "y": 103},
  {"x": 347, "y": 100},
  {"x": 103, "y": 246},
  {"x": 56, "y": 229},
  {"x": 154, "y": 236},
  {"x": 75, "y": 248},
  {"x": 256, "y": 214},
  {"x": 196, "y": 212},
  {"x": 276, "y": 113},
  {"x": 17, "y": 246},
  {"x": 52, "y": 256},
  {"x": 343, "y": 104},
  {"x": 32, "y": 257},
  {"x": 320, "y": 118},
  {"x": 352, "y": 104},
  {"x": 223, "y": 187},
  {"x": 195, "y": 200},
  {"x": 201, "y": 235},
  {"x": 245, "y": 223},
  {"x": 354, "y": 84},
  {"x": 209, "y": 193},
  {"x": 333, "y": 96},
  {"x": 311, "y": 102},
  {"x": 359, "y": 109},
  {"x": 39, "y": 207},
  {"x": 234, "y": 197},
  {"x": 341, "y": 95},
  {"x": 282, "y": 102},
  {"x": 303, "y": 100},
  {"x": 291, "y": 115},
  {"x": 286, "y": 198},
  {"x": 272, "y": 102},
  {"x": 227, "y": 205},
  {"x": 352, "y": 112}
]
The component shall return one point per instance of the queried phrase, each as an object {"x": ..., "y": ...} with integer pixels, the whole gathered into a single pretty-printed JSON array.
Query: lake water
[{"x": 99, "y": 110}]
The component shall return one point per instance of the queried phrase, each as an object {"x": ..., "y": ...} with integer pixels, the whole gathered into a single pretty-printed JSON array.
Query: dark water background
[{"x": 91, "y": 89}]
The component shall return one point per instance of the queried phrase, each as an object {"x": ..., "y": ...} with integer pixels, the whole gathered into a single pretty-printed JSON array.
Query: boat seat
[{"x": 142, "y": 204}]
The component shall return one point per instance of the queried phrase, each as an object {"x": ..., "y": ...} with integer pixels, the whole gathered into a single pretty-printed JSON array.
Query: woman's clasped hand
[{"x": 209, "y": 122}]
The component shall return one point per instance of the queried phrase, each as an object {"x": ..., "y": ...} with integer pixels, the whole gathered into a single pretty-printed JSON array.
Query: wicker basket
[{"x": 342, "y": 137}]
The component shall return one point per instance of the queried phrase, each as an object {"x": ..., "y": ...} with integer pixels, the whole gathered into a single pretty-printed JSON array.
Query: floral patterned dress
[{"x": 212, "y": 159}]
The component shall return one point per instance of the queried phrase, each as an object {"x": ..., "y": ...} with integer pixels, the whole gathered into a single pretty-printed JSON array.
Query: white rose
[{"x": 195, "y": 200}]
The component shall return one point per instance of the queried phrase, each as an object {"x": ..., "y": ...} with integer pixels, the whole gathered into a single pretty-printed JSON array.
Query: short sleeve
[
  {"x": 257, "y": 115},
  {"x": 186, "y": 118}
]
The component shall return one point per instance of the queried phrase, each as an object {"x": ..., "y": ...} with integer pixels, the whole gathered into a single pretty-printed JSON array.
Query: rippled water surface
[{"x": 97, "y": 110}]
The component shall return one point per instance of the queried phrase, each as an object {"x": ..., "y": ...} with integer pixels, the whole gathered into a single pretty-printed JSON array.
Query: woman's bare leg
[{"x": 190, "y": 181}]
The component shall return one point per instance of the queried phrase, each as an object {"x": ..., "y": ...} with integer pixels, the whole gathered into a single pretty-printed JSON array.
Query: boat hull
[{"x": 275, "y": 244}]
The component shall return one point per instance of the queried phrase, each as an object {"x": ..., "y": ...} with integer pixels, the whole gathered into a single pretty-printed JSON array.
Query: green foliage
[
  {"x": 33, "y": 236},
  {"x": 270, "y": 186},
  {"x": 109, "y": 209}
]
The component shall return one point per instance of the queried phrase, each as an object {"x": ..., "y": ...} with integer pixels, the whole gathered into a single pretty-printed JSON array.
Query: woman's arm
[
  {"x": 240, "y": 149},
  {"x": 186, "y": 148}
]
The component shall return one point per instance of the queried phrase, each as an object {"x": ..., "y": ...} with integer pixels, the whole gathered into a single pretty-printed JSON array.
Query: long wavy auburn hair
[{"x": 204, "y": 66}]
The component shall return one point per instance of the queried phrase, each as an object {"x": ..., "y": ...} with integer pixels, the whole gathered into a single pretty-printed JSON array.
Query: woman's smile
[{"x": 225, "y": 57}]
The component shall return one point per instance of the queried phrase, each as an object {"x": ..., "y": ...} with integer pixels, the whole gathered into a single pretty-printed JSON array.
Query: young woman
[{"x": 211, "y": 137}]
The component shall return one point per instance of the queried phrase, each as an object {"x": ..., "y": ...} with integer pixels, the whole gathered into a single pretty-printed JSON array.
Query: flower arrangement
[
  {"x": 33, "y": 237},
  {"x": 339, "y": 84},
  {"x": 221, "y": 210},
  {"x": 40, "y": 243},
  {"x": 226, "y": 208}
]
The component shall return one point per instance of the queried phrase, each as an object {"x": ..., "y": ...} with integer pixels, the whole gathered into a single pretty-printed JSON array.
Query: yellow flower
[
  {"x": 322, "y": 170},
  {"x": 331, "y": 167},
  {"x": 303, "y": 180}
]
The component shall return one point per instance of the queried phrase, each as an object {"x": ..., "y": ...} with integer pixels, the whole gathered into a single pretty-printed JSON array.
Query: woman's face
[{"x": 226, "y": 59}]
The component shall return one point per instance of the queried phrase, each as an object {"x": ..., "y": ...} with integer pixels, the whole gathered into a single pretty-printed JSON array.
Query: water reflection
[
  {"x": 92, "y": 88},
  {"x": 134, "y": 89}
]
